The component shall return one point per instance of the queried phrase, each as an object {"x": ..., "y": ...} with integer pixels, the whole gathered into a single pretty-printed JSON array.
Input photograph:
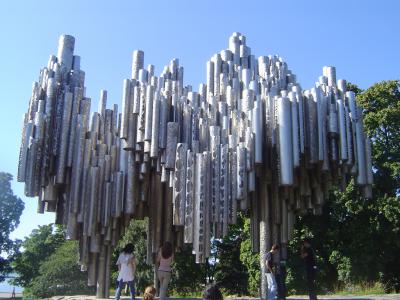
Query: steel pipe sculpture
[{"x": 249, "y": 139}]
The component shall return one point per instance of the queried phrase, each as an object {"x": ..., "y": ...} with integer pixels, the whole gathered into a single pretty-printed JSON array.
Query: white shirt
[{"x": 126, "y": 271}]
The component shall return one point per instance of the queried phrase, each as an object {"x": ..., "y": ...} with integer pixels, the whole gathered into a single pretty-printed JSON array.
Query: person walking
[
  {"x": 272, "y": 288},
  {"x": 307, "y": 254},
  {"x": 126, "y": 270},
  {"x": 164, "y": 260}
]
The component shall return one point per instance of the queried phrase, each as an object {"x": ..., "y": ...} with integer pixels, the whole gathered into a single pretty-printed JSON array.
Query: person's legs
[
  {"x": 120, "y": 286},
  {"x": 167, "y": 278},
  {"x": 160, "y": 276},
  {"x": 271, "y": 286},
  {"x": 280, "y": 283},
  {"x": 131, "y": 285},
  {"x": 311, "y": 284},
  {"x": 164, "y": 278}
]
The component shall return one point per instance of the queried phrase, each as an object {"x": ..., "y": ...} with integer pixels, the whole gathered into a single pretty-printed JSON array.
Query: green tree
[
  {"x": 381, "y": 104},
  {"x": 37, "y": 248},
  {"x": 230, "y": 273},
  {"x": 60, "y": 274},
  {"x": 250, "y": 260},
  {"x": 187, "y": 277},
  {"x": 11, "y": 208},
  {"x": 357, "y": 240}
]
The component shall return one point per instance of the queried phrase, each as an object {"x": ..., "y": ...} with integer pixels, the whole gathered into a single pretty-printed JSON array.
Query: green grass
[
  {"x": 374, "y": 288},
  {"x": 186, "y": 295}
]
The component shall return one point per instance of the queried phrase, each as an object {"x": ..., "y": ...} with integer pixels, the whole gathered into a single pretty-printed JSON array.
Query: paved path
[
  {"x": 5, "y": 295},
  {"x": 368, "y": 297}
]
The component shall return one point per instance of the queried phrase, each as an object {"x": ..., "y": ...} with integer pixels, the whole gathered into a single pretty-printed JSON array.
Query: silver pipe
[
  {"x": 190, "y": 201},
  {"x": 163, "y": 118},
  {"x": 330, "y": 73},
  {"x": 155, "y": 127},
  {"x": 141, "y": 118},
  {"x": 131, "y": 188},
  {"x": 217, "y": 71},
  {"x": 23, "y": 156},
  {"x": 320, "y": 101},
  {"x": 198, "y": 243},
  {"x": 172, "y": 138},
  {"x": 215, "y": 171},
  {"x": 311, "y": 128},
  {"x": 224, "y": 189},
  {"x": 119, "y": 193},
  {"x": 295, "y": 129},
  {"x": 360, "y": 151},
  {"x": 285, "y": 153},
  {"x": 137, "y": 63},
  {"x": 241, "y": 178},
  {"x": 77, "y": 164},
  {"x": 342, "y": 130},
  {"x": 66, "y": 45},
  {"x": 349, "y": 135},
  {"x": 179, "y": 184},
  {"x": 148, "y": 112},
  {"x": 126, "y": 109}
]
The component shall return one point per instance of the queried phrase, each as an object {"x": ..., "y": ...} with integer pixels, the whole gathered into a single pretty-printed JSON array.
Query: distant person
[
  {"x": 164, "y": 260},
  {"x": 280, "y": 277},
  {"x": 212, "y": 292},
  {"x": 126, "y": 267},
  {"x": 149, "y": 293},
  {"x": 272, "y": 288},
  {"x": 13, "y": 293},
  {"x": 307, "y": 254}
]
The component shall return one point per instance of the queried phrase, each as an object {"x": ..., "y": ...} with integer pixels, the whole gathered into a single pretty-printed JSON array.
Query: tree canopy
[
  {"x": 11, "y": 208},
  {"x": 37, "y": 248},
  {"x": 60, "y": 274}
]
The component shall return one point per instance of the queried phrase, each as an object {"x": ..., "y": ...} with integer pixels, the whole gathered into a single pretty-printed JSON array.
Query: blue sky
[{"x": 360, "y": 38}]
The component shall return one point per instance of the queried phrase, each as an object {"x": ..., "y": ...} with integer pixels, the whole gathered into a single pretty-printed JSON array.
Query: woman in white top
[
  {"x": 126, "y": 267},
  {"x": 164, "y": 261}
]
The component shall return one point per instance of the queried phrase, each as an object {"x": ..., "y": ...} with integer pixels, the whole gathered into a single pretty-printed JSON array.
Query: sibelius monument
[{"x": 250, "y": 139}]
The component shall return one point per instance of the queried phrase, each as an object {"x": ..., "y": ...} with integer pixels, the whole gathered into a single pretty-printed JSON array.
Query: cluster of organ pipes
[{"x": 249, "y": 140}]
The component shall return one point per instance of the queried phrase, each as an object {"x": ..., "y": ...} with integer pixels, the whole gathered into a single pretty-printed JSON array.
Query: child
[{"x": 149, "y": 293}]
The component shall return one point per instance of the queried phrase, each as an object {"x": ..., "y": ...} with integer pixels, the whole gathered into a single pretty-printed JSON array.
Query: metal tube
[
  {"x": 342, "y": 130},
  {"x": 179, "y": 184},
  {"x": 172, "y": 138},
  {"x": 189, "y": 190},
  {"x": 360, "y": 151},
  {"x": 155, "y": 127},
  {"x": 126, "y": 109},
  {"x": 148, "y": 112},
  {"x": 285, "y": 153},
  {"x": 295, "y": 129},
  {"x": 23, "y": 156},
  {"x": 137, "y": 63},
  {"x": 66, "y": 45}
]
